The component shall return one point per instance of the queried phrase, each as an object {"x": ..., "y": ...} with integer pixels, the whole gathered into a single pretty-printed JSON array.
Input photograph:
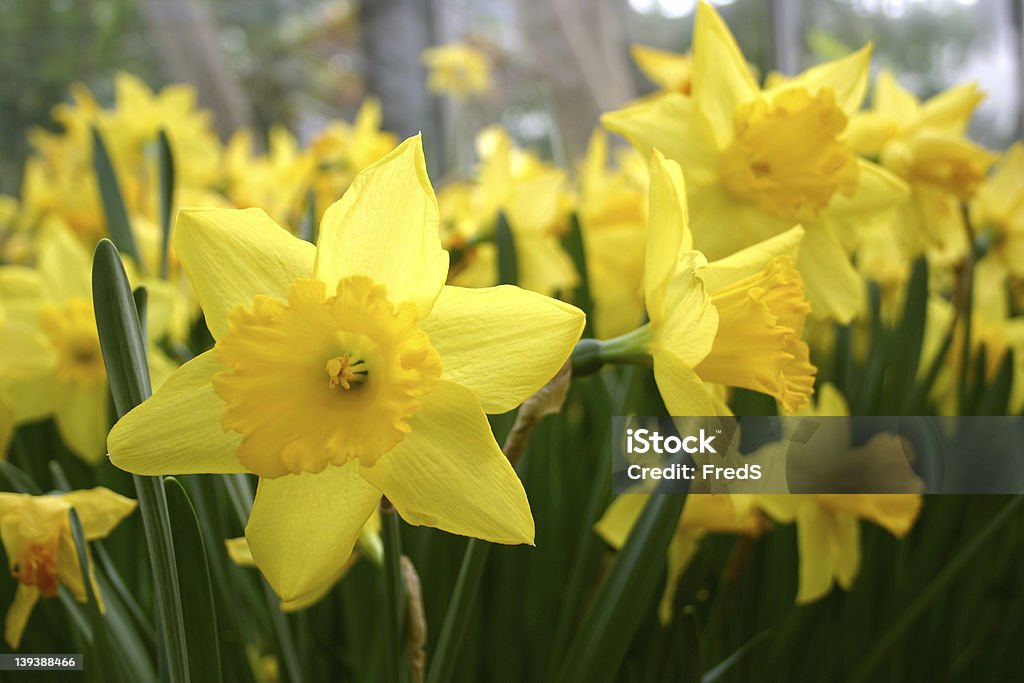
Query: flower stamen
[{"x": 343, "y": 371}]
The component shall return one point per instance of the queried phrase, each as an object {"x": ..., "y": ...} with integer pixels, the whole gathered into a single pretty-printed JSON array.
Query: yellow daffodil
[
  {"x": 277, "y": 182},
  {"x": 828, "y": 532},
  {"x": 26, "y": 357},
  {"x": 59, "y": 179},
  {"x": 535, "y": 200},
  {"x": 759, "y": 161},
  {"x": 55, "y": 301},
  {"x": 346, "y": 371},
  {"x": 998, "y": 208},
  {"x": 703, "y": 514},
  {"x": 924, "y": 144},
  {"x": 828, "y": 524},
  {"x": 670, "y": 71},
  {"x": 612, "y": 212},
  {"x": 342, "y": 150},
  {"x": 41, "y": 553},
  {"x": 458, "y": 70},
  {"x": 737, "y": 321}
]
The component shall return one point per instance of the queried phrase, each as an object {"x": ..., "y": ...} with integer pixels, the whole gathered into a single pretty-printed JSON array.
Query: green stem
[
  {"x": 394, "y": 593},
  {"x": 590, "y": 355}
]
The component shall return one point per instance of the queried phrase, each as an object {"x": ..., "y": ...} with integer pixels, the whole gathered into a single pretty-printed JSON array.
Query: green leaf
[
  {"x": 715, "y": 673},
  {"x": 124, "y": 355},
  {"x": 457, "y": 618},
  {"x": 165, "y": 164},
  {"x": 909, "y": 336},
  {"x": 508, "y": 264},
  {"x": 18, "y": 480},
  {"x": 397, "y": 659},
  {"x": 102, "y": 666},
  {"x": 194, "y": 581},
  {"x": 995, "y": 399},
  {"x": 118, "y": 224},
  {"x": 624, "y": 595}
]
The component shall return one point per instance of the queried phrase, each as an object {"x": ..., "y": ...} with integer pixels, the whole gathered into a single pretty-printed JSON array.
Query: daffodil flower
[
  {"x": 737, "y": 321},
  {"x": 828, "y": 532},
  {"x": 348, "y": 371},
  {"x": 458, "y": 70},
  {"x": 703, "y": 514},
  {"x": 998, "y": 207},
  {"x": 924, "y": 144},
  {"x": 535, "y": 200},
  {"x": 41, "y": 551},
  {"x": 612, "y": 211},
  {"x": 759, "y": 161},
  {"x": 54, "y": 299}
]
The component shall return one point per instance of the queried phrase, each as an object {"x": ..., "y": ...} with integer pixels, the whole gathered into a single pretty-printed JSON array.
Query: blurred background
[{"x": 558, "y": 63}]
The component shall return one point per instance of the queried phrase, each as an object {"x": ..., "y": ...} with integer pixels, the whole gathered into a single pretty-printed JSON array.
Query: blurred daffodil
[
  {"x": 998, "y": 208},
  {"x": 54, "y": 301},
  {"x": 536, "y": 202},
  {"x": 346, "y": 371},
  {"x": 41, "y": 551},
  {"x": 612, "y": 211},
  {"x": 737, "y": 321},
  {"x": 703, "y": 514},
  {"x": 759, "y": 161},
  {"x": 924, "y": 144},
  {"x": 458, "y": 70},
  {"x": 828, "y": 532}
]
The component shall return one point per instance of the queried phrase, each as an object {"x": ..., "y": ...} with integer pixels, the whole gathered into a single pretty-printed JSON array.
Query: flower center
[
  {"x": 71, "y": 329},
  {"x": 786, "y": 154},
  {"x": 37, "y": 566},
  {"x": 344, "y": 372},
  {"x": 377, "y": 360},
  {"x": 758, "y": 344}
]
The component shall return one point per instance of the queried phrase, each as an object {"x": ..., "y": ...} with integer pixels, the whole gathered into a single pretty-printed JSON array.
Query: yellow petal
[
  {"x": 672, "y": 124},
  {"x": 23, "y": 294},
  {"x": 82, "y": 414},
  {"x": 814, "y": 539},
  {"x": 25, "y": 598},
  {"x": 893, "y": 101},
  {"x": 830, "y": 280},
  {"x": 681, "y": 389},
  {"x": 178, "y": 429},
  {"x": 232, "y": 255},
  {"x": 618, "y": 520},
  {"x": 25, "y": 354},
  {"x": 950, "y": 111},
  {"x": 751, "y": 260},
  {"x": 847, "y": 77},
  {"x": 99, "y": 510},
  {"x": 503, "y": 343},
  {"x": 386, "y": 226},
  {"x": 894, "y": 512},
  {"x": 303, "y": 526},
  {"x": 544, "y": 266},
  {"x": 669, "y": 70},
  {"x": 877, "y": 190},
  {"x": 238, "y": 551},
  {"x": 668, "y": 233},
  {"x": 449, "y": 473},
  {"x": 688, "y": 325},
  {"x": 681, "y": 550},
  {"x": 64, "y": 263},
  {"x": 846, "y": 549},
  {"x": 721, "y": 77}
]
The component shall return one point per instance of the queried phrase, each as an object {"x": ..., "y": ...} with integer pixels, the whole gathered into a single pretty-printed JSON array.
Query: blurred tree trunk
[
  {"x": 580, "y": 48},
  {"x": 190, "y": 51},
  {"x": 394, "y": 34}
]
